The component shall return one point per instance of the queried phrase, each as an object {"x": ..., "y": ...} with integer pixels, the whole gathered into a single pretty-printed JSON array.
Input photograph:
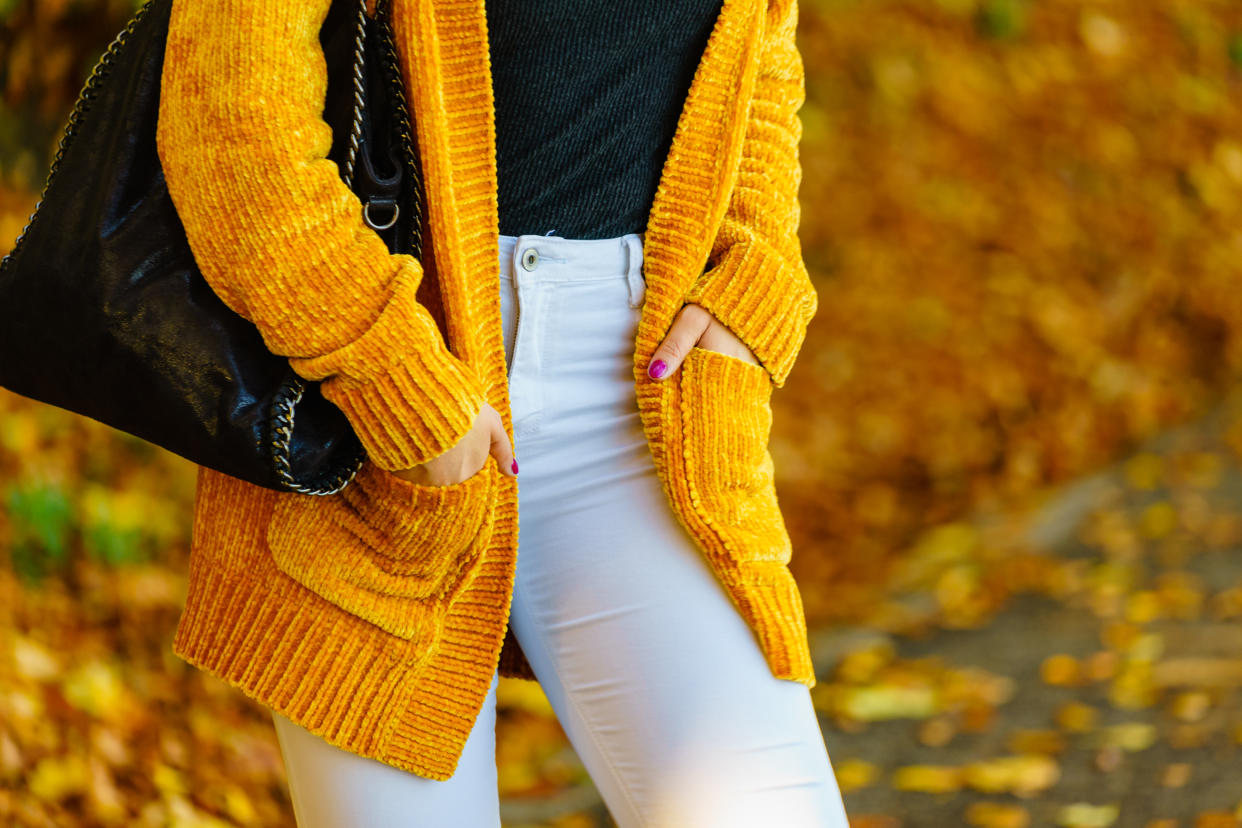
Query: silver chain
[
  {"x": 407, "y": 139},
  {"x": 355, "y": 132},
  {"x": 287, "y": 399}
]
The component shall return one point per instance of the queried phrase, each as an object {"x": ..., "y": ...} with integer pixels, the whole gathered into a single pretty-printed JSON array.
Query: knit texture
[
  {"x": 587, "y": 99},
  {"x": 375, "y": 617}
]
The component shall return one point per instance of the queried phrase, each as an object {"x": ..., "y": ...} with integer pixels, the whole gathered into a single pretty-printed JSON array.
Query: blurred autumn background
[{"x": 1008, "y": 456}]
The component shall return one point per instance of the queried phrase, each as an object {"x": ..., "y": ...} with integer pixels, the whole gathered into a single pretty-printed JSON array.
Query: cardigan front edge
[{"x": 346, "y": 679}]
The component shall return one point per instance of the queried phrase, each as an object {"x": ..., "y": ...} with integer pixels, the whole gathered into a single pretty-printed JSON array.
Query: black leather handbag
[{"x": 103, "y": 311}]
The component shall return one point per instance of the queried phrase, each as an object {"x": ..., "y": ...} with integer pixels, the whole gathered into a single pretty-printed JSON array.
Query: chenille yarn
[{"x": 376, "y": 617}]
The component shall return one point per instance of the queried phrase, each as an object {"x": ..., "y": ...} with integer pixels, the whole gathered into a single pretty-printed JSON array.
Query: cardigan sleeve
[
  {"x": 279, "y": 236},
  {"x": 756, "y": 282}
]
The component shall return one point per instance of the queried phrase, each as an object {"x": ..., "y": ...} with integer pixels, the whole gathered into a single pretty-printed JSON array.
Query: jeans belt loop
[{"x": 634, "y": 274}]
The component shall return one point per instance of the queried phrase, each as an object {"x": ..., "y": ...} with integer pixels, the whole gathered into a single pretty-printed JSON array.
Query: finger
[
  {"x": 417, "y": 474},
  {"x": 689, "y": 324},
  {"x": 719, "y": 338},
  {"x": 501, "y": 448}
]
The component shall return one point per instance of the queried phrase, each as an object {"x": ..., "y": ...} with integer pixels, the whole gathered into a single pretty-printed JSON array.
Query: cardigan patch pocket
[
  {"x": 726, "y": 419},
  {"x": 392, "y": 552}
]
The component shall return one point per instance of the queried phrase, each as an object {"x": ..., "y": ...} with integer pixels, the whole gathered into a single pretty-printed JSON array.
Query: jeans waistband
[{"x": 533, "y": 259}]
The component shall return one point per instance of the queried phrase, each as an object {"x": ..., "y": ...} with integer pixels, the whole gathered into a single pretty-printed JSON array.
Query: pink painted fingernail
[
  {"x": 657, "y": 369},
  {"x": 514, "y": 466}
]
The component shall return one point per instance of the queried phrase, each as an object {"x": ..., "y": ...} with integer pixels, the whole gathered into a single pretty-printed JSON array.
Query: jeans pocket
[{"x": 389, "y": 551}]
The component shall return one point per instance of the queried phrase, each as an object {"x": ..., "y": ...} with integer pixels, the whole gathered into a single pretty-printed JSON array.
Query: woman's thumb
[{"x": 501, "y": 448}]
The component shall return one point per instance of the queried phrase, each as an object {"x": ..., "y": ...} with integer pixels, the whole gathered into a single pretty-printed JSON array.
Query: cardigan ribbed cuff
[
  {"x": 406, "y": 395},
  {"x": 755, "y": 293}
]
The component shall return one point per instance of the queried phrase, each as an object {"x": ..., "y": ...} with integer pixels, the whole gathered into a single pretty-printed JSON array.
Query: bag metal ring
[{"x": 366, "y": 215}]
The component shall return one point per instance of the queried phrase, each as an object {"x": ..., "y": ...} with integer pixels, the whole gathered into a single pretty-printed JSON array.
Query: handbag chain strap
[
  {"x": 396, "y": 87},
  {"x": 287, "y": 398},
  {"x": 400, "y": 103},
  {"x": 355, "y": 132}
]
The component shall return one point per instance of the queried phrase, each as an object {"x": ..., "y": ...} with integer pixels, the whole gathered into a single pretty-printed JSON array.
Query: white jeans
[{"x": 655, "y": 677}]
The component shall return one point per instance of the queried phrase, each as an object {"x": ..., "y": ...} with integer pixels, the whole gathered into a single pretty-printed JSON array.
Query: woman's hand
[
  {"x": 468, "y": 455},
  {"x": 695, "y": 325}
]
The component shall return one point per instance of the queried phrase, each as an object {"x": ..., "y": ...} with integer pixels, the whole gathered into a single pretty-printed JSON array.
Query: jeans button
[{"x": 530, "y": 258}]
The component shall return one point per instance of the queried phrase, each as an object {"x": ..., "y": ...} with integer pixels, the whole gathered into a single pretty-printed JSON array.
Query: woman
[{"x": 652, "y": 599}]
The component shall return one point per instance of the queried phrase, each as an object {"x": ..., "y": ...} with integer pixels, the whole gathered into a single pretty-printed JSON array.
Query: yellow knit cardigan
[{"x": 375, "y": 617}]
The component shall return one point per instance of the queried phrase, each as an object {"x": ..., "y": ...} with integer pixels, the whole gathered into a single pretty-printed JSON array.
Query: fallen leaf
[
  {"x": 1085, "y": 815},
  {"x": 1176, "y": 775},
  {"x": 928, "y": 778},
  {"x": 853, "y": 774},
  {"x": 997, "y": 815}
]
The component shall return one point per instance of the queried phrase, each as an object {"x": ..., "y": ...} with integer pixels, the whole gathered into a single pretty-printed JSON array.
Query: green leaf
[
  {"x": 115, "y": 546},
  {"x": 1001, "y": 19},
  {"x": 1235, "y": 49},
  {"x": 42, "y": 521}
]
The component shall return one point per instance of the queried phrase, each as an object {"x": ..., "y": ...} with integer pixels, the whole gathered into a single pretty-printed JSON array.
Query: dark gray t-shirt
[{"x": 587, "y": 100}]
